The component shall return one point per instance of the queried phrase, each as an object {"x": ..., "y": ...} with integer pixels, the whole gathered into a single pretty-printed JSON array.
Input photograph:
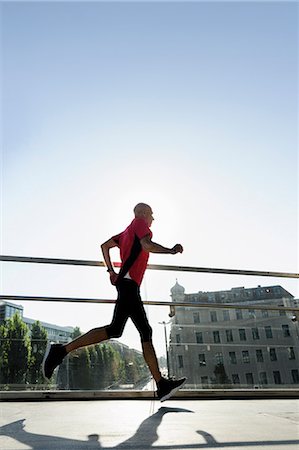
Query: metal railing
[
  {"x": 79, "y": 262},
  {"x": 243, "y": 393}
]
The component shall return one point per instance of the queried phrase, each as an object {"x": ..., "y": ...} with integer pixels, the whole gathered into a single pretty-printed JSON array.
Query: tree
[
  {"x": 76, "y": 333},
  {"x": 38, "y": 339},
  {"x": 113, "y": 365},
  {"x": 79, "y": 369},
  {"x": 101, "y": 366},
  {"x": 17, "y": 350},
  {"x": 3, "y": 354}
]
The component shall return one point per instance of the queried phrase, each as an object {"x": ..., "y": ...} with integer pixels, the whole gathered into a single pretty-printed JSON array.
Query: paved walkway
[{"x": 144, "y": 424}]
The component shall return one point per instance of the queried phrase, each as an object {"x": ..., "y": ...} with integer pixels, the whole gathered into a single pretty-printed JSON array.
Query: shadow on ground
[{"x": 144, "y": 438}]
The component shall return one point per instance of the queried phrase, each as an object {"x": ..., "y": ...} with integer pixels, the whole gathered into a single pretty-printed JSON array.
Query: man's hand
[
  {"x": 113, "y": 278},
  {"x": 177, "y": 249}
]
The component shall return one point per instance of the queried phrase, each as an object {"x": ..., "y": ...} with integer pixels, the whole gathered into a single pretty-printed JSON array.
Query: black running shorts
[{"x": 129, "y": 304}]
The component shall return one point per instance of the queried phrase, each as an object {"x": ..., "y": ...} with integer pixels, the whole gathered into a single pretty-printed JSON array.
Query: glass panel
[
  {"x": 234, "y": 355},
  {"x": 212, "y": 347}
]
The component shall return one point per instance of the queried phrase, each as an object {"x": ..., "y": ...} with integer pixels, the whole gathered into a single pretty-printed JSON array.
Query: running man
[{"x": 135, "y": 244}]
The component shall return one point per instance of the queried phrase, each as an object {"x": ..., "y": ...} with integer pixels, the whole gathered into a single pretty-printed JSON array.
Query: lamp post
[{"x": 166, "y": 345}]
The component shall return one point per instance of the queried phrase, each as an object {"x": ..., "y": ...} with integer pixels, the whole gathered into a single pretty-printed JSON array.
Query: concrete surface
[{"x": 146, "y": 424}]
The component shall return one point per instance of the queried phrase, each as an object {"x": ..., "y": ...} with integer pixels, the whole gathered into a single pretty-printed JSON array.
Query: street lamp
[{"x": 166, "y": 345}]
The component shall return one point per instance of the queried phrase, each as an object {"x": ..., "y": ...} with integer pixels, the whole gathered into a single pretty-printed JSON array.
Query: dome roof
[{"x": 177, "y": 289}]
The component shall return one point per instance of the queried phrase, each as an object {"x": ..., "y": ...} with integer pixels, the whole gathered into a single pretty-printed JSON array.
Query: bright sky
[{"x": 190, "y": 107}]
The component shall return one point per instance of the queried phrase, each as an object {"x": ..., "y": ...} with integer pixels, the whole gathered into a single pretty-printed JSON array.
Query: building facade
[
  {"x": 56, "y": 333},
  {"x": 235, "y": 347}
]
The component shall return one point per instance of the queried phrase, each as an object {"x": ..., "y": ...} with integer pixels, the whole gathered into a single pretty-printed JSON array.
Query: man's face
[{"x": 148, "y": 215}]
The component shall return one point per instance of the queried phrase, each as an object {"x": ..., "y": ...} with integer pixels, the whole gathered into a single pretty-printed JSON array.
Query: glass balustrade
[{"x": 208, "y": 328}]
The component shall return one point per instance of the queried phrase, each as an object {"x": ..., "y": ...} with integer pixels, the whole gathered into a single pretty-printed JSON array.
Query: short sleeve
[{"x": 141, "y": 228}]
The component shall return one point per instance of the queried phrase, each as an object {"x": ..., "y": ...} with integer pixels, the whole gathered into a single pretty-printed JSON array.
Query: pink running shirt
[{"x": 133, "y": 257}]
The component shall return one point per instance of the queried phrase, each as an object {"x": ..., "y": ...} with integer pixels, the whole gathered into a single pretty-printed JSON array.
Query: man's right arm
[{"x": 106, "y": 246}]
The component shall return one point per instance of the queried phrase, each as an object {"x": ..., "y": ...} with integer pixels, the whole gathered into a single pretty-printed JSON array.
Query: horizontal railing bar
[
  {"x": 148, "y": 302},
  {"x": 79, "y": 262}
]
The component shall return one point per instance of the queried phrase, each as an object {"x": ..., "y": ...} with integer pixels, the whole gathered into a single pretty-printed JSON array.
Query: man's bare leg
[
  {"x": 93, "y": 336},
  {"x": 151, "y": 360}
]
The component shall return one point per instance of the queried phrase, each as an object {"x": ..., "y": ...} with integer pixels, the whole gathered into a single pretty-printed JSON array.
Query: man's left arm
[{"x": 152, "y": 247}]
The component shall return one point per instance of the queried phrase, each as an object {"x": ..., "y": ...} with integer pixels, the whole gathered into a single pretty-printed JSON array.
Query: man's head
[{"x": 144, "y": 211}]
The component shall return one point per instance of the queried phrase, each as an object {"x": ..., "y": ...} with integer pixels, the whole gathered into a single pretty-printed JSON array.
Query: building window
[
  {"x": 242, "y": 334},
  {"x": 263, "y": 378},
  {"x": 232, "y": 357},
  {"x": 245, "y": 356},
  {"x": 291, "y": 353},
  {"x": 178, "y": 338},
  {"x": 268, "y": 331},
  {"x": 219, "y": 358},
  {"x": 282, "y": 312},
  {"x": 249, "y": 378},
  {"x": 202, "y": 359},
  {"x": 259, "y": 356},
  {"x": 277, "y": 377},
  {"x": 180, "y": 361},
  {"x": 213, "y": 315},
  {"x": 265, "y": 313},
  {"x": 226, "y": 315},
  {"x": 251, "y": 313},
  {"x": 295, "y": 376},
  {"x": 199, "y": 338},
  {"x": 216, "y": 336},
  {"x": 255, "y": 333},
  {"x": 286, "y": 330},
  {"x": 273, "y": 356},
  {"x": 229, "y": 335},
  {"x": 235, "y": 378},
  {"x": 196, "y": 317},
  {"x": 239, "y": 314}
]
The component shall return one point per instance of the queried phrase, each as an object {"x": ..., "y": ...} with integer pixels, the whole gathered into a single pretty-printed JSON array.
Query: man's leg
[
  {"x": 56, "y": 352},
  {"x": 94, "y": 336},
  {"x": 151, "y": 360},
  {"x": 165, "y": 387},
  {"x": 139, "y": 318}
]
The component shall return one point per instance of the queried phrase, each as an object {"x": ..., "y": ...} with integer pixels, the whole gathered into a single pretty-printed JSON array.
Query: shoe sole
[
  {"x": 44, "y": 360},
  {"x": 172, "y": 392}
]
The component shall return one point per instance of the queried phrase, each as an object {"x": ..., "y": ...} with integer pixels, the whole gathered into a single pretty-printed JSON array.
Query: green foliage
[
  {"x": 100, "y": 366},
  {"x": 4, "y": 348},
  {"x": 79, "y": 369},
  {"x": 38, "y": 341},
  {"x": 15, "y": 351},
  {"x": 76, "y": 333},
  {"x": 21, "y": 355}
]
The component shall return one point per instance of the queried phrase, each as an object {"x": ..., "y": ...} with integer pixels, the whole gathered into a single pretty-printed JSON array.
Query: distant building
[
  {"x": 8, "y": 309},
  {"x": 56, "y": 333},
  {"x": 235, "y": 347}
]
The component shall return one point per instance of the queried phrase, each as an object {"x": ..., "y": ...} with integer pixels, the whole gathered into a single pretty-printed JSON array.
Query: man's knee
[
  {"x": 146, "y": 334},
  {"x": 114, "y": 331}
]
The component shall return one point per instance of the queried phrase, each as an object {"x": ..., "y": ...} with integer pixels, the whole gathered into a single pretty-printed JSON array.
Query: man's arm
[
  {"x": 106, "y": 246},
  {"x": 152, "y": 247}
]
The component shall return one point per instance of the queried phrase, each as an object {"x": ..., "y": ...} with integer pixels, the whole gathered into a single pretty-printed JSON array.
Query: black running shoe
[
  {"x": 53, "y": 357},
  {"x": 167, "y": 388}
]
